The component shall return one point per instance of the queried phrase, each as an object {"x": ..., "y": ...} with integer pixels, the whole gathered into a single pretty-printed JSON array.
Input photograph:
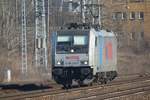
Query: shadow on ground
[{"x": 27, "y": 87}]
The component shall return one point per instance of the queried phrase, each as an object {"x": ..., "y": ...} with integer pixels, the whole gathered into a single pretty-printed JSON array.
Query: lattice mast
[
  {"x": 93, "y": 7},
  {"x": 82, "y": 4},
  {"x": 24, "y": 38},
  {"x": 40, "y": 35}
]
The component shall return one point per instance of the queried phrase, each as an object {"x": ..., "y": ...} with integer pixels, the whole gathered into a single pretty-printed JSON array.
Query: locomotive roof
[
  {"x": 63, "y": 30},
  {"x": 104, "y": 33},
  {"x": 74, "y": 31}
]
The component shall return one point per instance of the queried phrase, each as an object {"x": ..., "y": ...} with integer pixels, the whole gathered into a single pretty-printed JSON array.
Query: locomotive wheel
[
  {"x": 105, "y": 80},
  {"x": 80, "y": 83},
  {"x": 67, "y": 86},
  {"x": 99, "y": 81},
  {"x": 91, "y": 84}
]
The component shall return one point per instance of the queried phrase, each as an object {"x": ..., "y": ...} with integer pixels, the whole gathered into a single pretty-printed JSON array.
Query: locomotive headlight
[
  {"x": 58, "y": 62},
  {"x": 72, "y": 51},
  {"x": 85, "y": 62}
]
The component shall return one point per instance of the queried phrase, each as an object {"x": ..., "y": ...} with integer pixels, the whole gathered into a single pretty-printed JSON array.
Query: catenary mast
[
  {"x": 24, "y": 38},
  {"x": 40, "y": 36}
]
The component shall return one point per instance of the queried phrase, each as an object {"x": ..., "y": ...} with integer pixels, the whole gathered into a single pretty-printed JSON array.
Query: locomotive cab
[{"x": 71, "y": 57}]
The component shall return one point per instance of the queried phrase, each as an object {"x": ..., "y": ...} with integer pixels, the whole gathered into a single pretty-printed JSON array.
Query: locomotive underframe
[{"x": 68, "y": 76}]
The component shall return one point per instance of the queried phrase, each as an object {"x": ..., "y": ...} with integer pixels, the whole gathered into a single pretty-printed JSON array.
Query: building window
[
  {"x": 114, "y": 16},
  {"x": 119, "y": 16},
  {"x": 118, "y": 1},
  {"x": 124, "y": 15},
  {"x": 96, "y": 42},
  {"x": 132, "y": 15},
  {"x": 132, "y": 36},
  {"x": 141, "y": 15},
  {"x": 142, "y": 34}
]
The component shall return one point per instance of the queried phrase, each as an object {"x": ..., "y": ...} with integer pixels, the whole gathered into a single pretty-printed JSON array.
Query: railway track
[
  {"x": 116, "y": 94},
  {"x": 83, "y": 92}
]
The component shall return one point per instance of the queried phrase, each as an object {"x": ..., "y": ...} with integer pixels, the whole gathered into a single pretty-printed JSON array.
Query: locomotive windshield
[
  {"x": 72, "y": 44},
  {"x": 80, "y": 40},
  {"x": 64, "y": 40}
]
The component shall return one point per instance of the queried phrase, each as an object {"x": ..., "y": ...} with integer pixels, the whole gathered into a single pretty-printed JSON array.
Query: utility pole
[
  {"x": 94, "y": 7},
  {"x": 82, "y": 4},
  {"x": 100, "y": 14},
  {"x": 24, "y": 38},
  {"x": 40, "y": 36},
  {"x": 48, "y": 31},
  {"x": 61, "y": 6},
  {"x": 70, "y": 5}
]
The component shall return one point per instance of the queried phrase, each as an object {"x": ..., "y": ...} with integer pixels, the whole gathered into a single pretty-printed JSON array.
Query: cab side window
[{"x": 95, "y": 41}]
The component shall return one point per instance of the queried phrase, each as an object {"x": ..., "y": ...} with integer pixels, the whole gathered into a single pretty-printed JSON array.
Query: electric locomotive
[{"x": 81, "y": 56}]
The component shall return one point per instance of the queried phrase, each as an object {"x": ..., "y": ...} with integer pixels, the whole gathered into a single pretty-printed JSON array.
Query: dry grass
[
  {"x": 130, "y": 62},
  {"x": 14, "y": 64}
]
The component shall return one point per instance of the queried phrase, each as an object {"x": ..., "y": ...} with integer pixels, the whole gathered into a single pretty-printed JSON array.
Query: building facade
[{"x": 130, "y": 19}]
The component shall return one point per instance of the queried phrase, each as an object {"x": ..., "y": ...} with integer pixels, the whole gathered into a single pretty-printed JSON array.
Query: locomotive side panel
[{"x": 106, "y": 52}]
